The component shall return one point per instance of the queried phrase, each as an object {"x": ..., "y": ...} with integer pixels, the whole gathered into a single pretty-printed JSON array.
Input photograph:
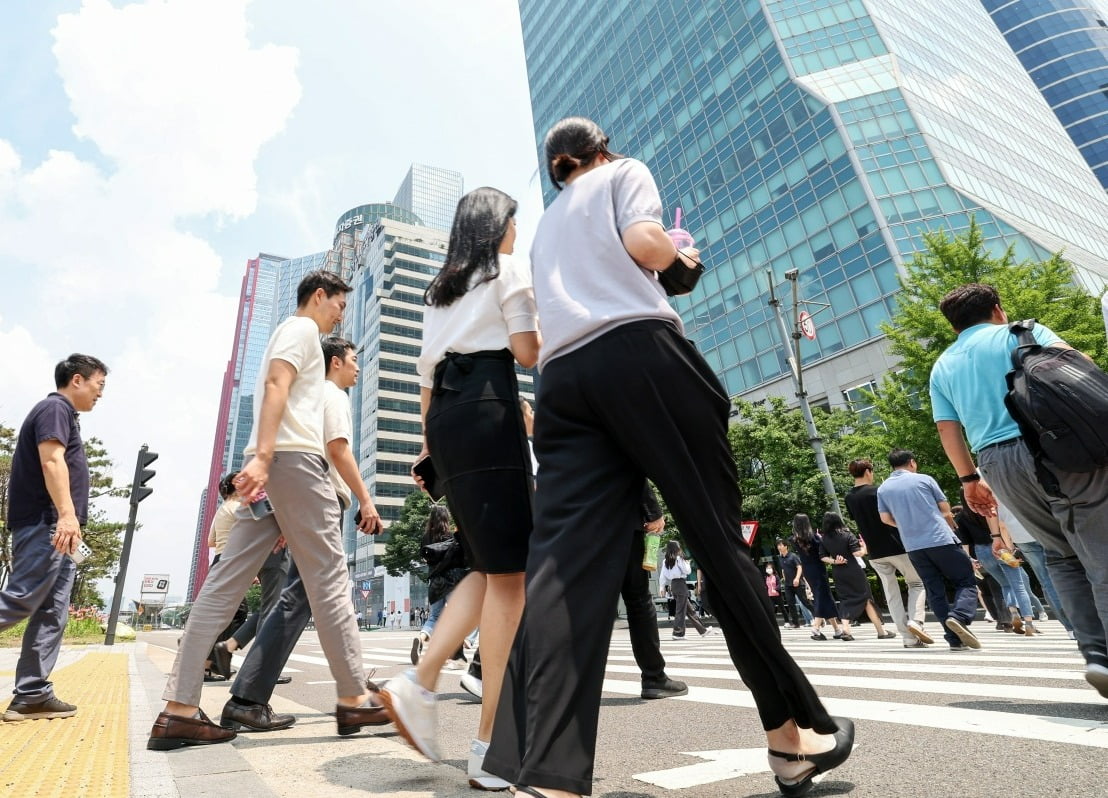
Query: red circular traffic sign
[{"x": 807, "y": 326}]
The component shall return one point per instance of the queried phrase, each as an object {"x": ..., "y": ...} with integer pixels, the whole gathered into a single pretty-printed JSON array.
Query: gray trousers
[
  {"x": 306, "y": 512},
  {"x": 38, "y": 588},
  {"x": 886, "y": 568},
  {"x": 1072, "y": 530},
  {"x": 274, "y": 575}
]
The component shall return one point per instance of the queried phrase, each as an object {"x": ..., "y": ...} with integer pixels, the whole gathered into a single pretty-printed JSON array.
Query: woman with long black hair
[
  {"x": 624, "y": 396},
  {"x": 675, "y": 568},
  {"x": 806, "y": 543},
  {"x": 840, "y": 548},
  {"x": 479, "y": 322},
  {"x": 445, "y": 569}
]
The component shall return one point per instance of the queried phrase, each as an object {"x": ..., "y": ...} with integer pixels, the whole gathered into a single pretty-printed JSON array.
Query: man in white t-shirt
[
  {"x": 259, "y": 674},
  {"x": 286, "y": 459}
]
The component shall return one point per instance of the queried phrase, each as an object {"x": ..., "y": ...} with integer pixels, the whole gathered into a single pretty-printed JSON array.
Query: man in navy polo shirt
[
  {"x": 968, "y": 387},
  {"x": 47, "y": 507}
]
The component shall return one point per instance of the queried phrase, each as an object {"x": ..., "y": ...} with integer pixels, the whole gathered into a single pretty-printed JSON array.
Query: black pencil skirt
[{"x": 479, "y": 449}]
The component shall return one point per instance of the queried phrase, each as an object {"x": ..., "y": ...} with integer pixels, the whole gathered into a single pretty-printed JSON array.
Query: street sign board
[
  {"x": 749, "y": 530},
  {"x": 365, "y": 593},
  {"x": 807, "y": 326}
]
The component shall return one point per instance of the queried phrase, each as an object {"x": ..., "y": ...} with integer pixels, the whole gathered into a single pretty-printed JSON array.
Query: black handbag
[{"x": 678, "y": 279}]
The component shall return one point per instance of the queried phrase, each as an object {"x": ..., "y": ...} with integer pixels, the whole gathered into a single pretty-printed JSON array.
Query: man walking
[
  {"x": 887, "y": 556},
  {"x": 281, "y": 629},
  {"x": 287, "y": 462},
  {"x": 48, "y": 495},
  {"x": 968, "y": 387},
  {"x": 792, "y": 571},
  {"x": 914, "y": 504}
]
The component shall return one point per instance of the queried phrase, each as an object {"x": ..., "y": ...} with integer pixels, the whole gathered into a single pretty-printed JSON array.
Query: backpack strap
[{"x": 1027, "y": 343}]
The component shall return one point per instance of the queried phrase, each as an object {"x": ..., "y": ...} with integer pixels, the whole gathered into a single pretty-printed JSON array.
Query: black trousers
[
  {"x": 274, "y": 575},
  {"x": 275, "y": 642},
  {"x": 637, "y": 402},
  {"x": 791, "y": 595},
  {"x": 642, "y": 618}
]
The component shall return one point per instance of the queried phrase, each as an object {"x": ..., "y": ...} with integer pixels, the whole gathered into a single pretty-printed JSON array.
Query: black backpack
[{"x": 1059, "y": 399}]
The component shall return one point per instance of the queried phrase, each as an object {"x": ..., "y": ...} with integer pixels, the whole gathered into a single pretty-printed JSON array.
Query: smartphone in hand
[
  {"x": 425, "y": 470},
  {"x": 260, "y": 507}
]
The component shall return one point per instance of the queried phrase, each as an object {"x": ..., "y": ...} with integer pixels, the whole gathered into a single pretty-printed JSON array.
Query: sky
[{"x": 148, "y": 149}]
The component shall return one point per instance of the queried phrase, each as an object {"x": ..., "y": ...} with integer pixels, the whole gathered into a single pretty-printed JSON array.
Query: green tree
[
  {"x": 918, "y": 333},
  {"x": 7, "y": 448},
  {"x": 777, "y": 467},
  {"x": 406, "y": 536}
]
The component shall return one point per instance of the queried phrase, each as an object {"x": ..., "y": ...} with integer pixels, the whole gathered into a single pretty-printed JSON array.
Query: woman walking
[
  {"x": 806, "y": 543},
  {"x": 624, "y": 396},
  {"x": 480, "y": 321},
  {"x": 840, "y": 549},
  {"x": 674, "y": 570},
  {"x": 442, "y": 552}
]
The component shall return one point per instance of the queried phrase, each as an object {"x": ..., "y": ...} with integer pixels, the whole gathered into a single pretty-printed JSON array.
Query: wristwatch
[{"x": 974, "y": 477}]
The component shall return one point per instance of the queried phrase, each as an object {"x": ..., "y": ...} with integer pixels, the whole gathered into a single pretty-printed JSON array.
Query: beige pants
[{"x": 307, "y": 512}]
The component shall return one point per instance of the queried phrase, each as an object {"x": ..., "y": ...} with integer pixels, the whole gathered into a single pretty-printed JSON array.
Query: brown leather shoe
[
  {"x": 174, "y": 731},
  {"x": 352, "y": 719}
]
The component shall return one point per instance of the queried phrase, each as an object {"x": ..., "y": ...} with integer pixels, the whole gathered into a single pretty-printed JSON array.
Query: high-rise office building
[
  {"x": 257, "y": 315},
  {"x": 432, "y": 194},
  {"x": 1063, "y": 45},
  {"x": 822, "y": 136}
]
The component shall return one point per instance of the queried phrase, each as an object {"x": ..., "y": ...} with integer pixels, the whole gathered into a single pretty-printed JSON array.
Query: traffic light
[{"x": 143, "y": 474}]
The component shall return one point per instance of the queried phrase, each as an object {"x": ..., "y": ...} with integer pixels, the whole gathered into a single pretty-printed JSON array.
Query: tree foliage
[
  {"x": 406, "y": 536},
  {"x": 918, "y": 333},
  {"x": 777, "y": 466},
  {"x": 7, "y": 447}
]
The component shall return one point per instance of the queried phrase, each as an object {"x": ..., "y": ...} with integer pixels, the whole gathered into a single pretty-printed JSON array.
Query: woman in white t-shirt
[
  {"x": 480, "y": 321},
  {"x": 675, "y": 569},
  {"x": 623, "y": 396}
]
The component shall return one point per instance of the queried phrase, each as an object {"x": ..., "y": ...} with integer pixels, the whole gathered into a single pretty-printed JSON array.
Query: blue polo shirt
[
  {"x": 968, "y": 382},
  {"x": 29, "y": 503},
  {"x": 912, "y": 500}
]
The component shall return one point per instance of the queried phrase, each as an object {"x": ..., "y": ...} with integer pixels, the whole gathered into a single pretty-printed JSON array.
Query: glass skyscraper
[
  {"x": 432, "y": 194},
  {"x": 1063, "y": 45},
  {"x": 820, "y": 135}
]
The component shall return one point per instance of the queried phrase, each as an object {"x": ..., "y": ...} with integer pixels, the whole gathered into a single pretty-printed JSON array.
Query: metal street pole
[{"x": 792, "y": 353}]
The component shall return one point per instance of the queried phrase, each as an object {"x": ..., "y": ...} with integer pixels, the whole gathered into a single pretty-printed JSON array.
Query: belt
[{"x": 998, "y": 444}]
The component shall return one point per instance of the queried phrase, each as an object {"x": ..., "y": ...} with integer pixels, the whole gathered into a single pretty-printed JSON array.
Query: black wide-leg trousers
[{"x": 637, "y": 402}]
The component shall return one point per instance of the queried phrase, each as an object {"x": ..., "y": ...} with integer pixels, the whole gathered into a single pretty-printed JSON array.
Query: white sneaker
[
  {"x": 415, "y": 713},
  {"x": 709, "y": 631},
  {"x": 1043, "y": 616},
  {"x": 472, "y": 685},
  {"x": 916, "y": 629},
  {"x": 478, "y": 778}
]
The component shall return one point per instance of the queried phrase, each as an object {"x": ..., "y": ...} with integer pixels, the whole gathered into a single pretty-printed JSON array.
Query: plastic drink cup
[
  {"x": 681, "y": 238},
  {"x": 650, "y": 550}
]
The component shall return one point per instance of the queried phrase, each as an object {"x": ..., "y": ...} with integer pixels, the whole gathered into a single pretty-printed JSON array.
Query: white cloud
[{"x": 97, "y": 258}]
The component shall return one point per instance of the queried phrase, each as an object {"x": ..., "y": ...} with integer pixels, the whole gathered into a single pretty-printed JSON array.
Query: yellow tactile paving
[{"x": 85, "y": 755}]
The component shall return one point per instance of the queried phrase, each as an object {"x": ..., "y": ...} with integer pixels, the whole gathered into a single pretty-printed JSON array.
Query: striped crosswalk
[{"x": 880, "y": 680}]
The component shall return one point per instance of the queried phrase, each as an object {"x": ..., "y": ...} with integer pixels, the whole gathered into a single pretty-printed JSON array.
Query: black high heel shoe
[{"x": 828, "y": 760}]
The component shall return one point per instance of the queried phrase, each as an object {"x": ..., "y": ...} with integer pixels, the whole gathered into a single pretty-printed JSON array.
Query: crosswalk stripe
[{"x": 1076, "y": 731}]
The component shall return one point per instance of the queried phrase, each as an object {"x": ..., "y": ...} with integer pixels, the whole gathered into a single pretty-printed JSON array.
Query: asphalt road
[{"x": 1015, "y": 719}]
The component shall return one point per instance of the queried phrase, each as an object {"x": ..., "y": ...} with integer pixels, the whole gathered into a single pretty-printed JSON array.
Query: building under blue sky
[{"x": 820, "y": 135}]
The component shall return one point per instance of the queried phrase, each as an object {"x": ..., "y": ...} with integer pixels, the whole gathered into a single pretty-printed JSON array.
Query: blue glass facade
[
  {"x": 809, "y": 134},
  {"x": 1063, "y": 44},
  {"x": 432, "y": 194}
]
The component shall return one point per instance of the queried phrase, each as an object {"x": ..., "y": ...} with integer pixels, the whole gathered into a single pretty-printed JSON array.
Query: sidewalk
[{"x": 102, "y": 751}]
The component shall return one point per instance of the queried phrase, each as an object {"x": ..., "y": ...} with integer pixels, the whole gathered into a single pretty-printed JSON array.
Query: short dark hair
[
  {"x": 330, "y": 282},
  {"x": 227, "y": 487},
  {"x": 900, "y": 457},
  {"x": 336, "y": 346},
  {"x": 858, "y": 468},
  {"x": 781, "y": 542},
  {"x": 572, "y": 143},
  {"x": 85, "y": 365},
  {"x": 969, "y": 304}
]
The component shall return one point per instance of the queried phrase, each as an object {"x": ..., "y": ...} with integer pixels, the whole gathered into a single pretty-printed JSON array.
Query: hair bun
[{"x": 563, "y": 165}]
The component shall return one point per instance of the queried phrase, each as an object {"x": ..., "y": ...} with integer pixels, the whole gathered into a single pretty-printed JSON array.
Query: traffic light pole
[
  {"x": 793, "y": 357},
  {"x": 139, "y": 491}
]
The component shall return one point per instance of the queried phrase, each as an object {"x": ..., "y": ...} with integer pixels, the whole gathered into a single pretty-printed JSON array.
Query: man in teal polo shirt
[{"x": 968, "y": 387}]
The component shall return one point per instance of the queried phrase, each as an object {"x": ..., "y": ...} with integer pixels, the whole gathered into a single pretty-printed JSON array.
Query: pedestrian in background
[
  {"x": 806, "y": 541},
  {"x": 48, "y": 496},
  {"x": 792, "y": 588},
  {"x": 842, "y": 550},
  {"x": 675, "y": 569}
]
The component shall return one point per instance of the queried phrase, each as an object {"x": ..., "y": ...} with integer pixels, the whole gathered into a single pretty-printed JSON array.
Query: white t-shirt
[
  {"x": 295, "y": 341},
  {"x": 481, "y": 320},
  {"x": 338, "y": 422},
  {"x": 679, "y": 571},
  {"x": 585, "y": 282}
]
